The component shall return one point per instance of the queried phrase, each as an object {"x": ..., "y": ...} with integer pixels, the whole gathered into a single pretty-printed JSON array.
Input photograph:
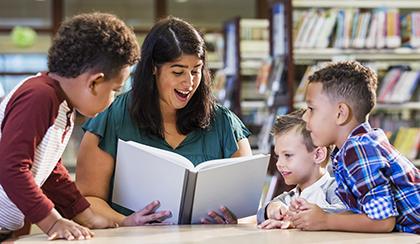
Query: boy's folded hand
[
  {"x": 275, "y": 224},
  {"x": 69, "y": 230},
  {"x": 276, "y": 210}
]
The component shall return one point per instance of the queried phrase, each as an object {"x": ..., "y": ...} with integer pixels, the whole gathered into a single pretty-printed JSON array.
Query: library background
[{"x": 260, "y": 54}]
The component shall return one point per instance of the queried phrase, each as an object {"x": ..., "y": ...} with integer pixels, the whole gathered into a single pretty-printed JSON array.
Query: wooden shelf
[
  {"x": 402, "y": 106},
  {"x": 402, "y": 4},
  {"x": 380, "y": 106},
  {"x": 302, "y": 55}
]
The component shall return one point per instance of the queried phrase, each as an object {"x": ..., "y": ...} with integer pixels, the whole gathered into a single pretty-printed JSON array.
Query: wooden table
[{"x": 215, "y": 234}]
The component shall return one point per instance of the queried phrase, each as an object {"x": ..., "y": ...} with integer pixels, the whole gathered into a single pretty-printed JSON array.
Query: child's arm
[
  {"x": 57, "y": 227},
  {"x": 69, "y": 201},
  {"x": 94, "y": 171},
  {"x": 312, "y": 217}
]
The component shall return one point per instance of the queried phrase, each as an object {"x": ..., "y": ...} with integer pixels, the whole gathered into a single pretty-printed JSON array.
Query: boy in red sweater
[{"x": 88, "y": 62}]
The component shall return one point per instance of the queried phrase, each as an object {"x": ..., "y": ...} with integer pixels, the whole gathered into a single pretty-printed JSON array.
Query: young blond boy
[
  {"x": 379, "y": 185},
  {"x": 88, "y": 62},
  {"x": 302, "y": 164}
]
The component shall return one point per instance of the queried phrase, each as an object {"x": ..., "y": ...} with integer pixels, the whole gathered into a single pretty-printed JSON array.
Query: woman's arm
[
  {"x": 244, "y": 148},
  {"x": 93, "y": 174}
]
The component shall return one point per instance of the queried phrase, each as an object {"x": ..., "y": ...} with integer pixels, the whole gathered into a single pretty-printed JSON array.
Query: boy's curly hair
[
  {"x": 94, "y": 41},
  {"x": 351, "y": 81}
]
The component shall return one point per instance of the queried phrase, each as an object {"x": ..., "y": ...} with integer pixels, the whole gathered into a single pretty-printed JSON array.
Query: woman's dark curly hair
[
  {"x": 94, "y": 41},
  {"x": 166, "y": 42}
]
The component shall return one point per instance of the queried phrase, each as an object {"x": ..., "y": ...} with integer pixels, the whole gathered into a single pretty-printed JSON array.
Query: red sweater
[{"x": 36, "y": 123}]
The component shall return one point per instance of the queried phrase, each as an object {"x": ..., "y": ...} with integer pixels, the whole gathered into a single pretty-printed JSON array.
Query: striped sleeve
[{"x": 28, "y": 115}]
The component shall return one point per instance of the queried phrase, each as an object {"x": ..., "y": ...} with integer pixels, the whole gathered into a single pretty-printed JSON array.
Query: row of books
[
  {"x": 254, "y": 29},
  {"x": 399, "y": 84},
  {"x": 356, "y": 28}
]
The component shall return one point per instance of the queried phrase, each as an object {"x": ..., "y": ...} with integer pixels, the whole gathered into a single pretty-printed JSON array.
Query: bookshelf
[
  {"x": 353, "y": 23},
  {"x": 280, "y": 88},
  {"x": 246, "y": 48}
]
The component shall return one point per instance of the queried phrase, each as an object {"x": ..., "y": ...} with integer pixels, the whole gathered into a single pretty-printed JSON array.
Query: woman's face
[{"x": 177, "y": 81}]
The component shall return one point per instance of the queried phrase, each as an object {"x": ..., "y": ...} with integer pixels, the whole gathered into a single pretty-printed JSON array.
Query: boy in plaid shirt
[{"x": 379, "y": 185}]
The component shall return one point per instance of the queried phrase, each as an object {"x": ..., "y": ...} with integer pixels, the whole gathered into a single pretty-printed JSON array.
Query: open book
[{"x": 144, "y": 174}]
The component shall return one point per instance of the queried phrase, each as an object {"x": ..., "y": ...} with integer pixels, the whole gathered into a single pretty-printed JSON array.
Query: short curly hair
[
  {"x": 93, "y": 41},
  {"x": 351, "y": 81}
]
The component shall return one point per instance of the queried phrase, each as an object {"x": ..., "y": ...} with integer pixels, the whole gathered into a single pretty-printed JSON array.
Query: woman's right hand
[
  {"x": 147, "y": 215},
  {"x": 69, "y": 230}
]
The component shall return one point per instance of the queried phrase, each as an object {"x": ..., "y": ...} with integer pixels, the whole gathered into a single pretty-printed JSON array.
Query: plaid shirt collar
[{"x": 359, "y": 130}]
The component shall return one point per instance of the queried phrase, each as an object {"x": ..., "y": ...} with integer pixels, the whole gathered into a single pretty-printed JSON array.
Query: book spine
[{"x": 187, "y": 197}]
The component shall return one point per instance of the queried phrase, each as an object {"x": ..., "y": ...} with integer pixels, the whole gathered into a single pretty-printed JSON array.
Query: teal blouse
[{"x": 219, "y": 140}]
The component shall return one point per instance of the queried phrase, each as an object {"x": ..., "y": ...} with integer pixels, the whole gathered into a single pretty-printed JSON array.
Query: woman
[{"x": 169, "y": 107}]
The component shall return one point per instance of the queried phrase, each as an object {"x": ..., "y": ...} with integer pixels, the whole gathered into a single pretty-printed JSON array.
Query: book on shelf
[
  {"x": 300, "y": 90},
  {"x": 279, "y": 46},
  {"x": 388, "y": 83},
  {"x": 407, "y": 141},
  {"x": 393, "y": 38},
  {"x": 276, "y": 81},
  {"x": 398, "y": 85},
  {"x": 415, "y": 30},
  {"x": 263, "y": 75},
  {"x": 405, "y": 87},
  {"x": 144, "y": 174},
  {"x": 356, "y": 28}
]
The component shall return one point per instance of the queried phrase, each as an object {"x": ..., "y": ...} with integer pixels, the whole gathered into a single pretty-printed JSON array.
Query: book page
[
  {"x": 174, "y": 157},
  {"x": 236, "y": 185},
  {"x": 144, "y": 174},
  {"x": 217, "y": 163}
]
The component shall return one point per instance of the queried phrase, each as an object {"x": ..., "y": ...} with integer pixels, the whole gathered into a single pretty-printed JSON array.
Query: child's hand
[
  {"x": 69, "y": 230},
  {"x": 276, "y": 210},
  {"x": 309, "y": 216},
  {"x": 147, "y": 215},
  {"x": 275, "y": 224},
  {"x": 296, "y": 205}
]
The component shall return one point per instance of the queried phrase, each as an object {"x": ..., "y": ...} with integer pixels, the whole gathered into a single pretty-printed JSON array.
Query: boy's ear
[
  {"x": 343, "y": 113},
  {"x": 93, "y": 80},
  {"x": 320, "y": 154}
]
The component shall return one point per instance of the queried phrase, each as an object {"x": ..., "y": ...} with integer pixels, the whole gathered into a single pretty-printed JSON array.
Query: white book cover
[{"x": 144, "y": 174}]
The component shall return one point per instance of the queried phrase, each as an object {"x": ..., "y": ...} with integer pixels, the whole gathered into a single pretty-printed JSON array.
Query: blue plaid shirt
[{"x": 375, "y": 179}]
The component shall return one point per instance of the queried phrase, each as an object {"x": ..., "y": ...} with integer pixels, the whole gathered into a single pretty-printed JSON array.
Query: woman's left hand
[{"x": 214, "y": 218}]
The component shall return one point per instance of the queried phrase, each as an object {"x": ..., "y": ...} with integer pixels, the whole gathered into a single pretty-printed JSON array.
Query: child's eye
[{"x": 288, "y": 155}]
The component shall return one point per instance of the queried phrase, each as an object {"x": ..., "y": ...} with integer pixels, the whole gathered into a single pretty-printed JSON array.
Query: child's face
[
  {"x": 320, "y": 115},
  {"x": 295, "y": 163},
  {"x": 177, "y": 81},
  {"x": 103, "y": 93}
]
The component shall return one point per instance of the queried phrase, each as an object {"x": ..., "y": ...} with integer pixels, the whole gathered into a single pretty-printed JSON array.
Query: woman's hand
[
  {"x": 214, "y": 218},
  {"x": 147, "y": 215}
]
